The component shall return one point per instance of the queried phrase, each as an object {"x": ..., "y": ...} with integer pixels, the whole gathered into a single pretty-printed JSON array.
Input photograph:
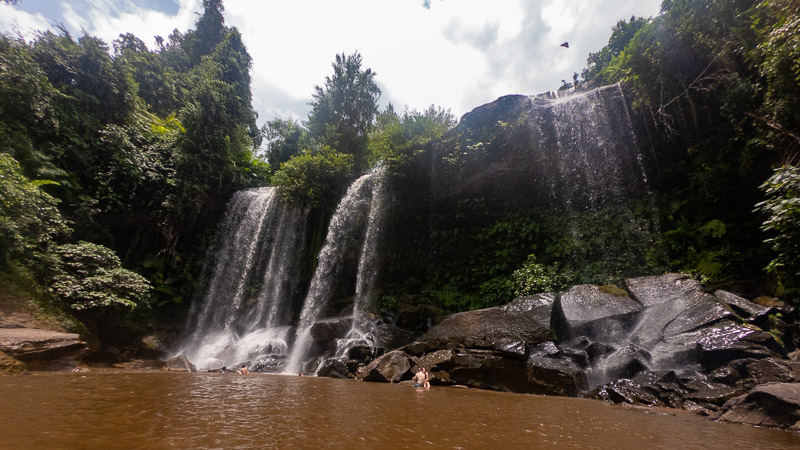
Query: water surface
[{"x": 130, "y": 410}]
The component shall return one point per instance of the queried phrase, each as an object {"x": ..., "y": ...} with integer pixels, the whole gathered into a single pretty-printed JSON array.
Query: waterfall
[
  {"x": 354, "y": 230},
  {"x": 254, "y": 275},
  {"x": 596, "y": 176}
]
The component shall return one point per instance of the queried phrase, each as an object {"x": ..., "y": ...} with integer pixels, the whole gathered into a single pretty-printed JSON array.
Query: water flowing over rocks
[
  {"x": 40, "y": 349},
  {"x": 662, "y": 342}
]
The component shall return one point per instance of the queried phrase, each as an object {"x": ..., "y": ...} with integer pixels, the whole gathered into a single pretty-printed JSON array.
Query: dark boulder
[
  {"x": 773, "y": 370},
  {"x": 392, "y": 336},
  {"x": 328, "y": 330},
  {"x": 625, "y": 391},
  {"x": 486, "y": 370},
  {"x": 332, "y": 368},
  {"x": 522, "y": 321},
  {"x": 392, "y": 367},
  {"x": 180, "y": 364},
  {"x": 549, "y": 375},
  {"x": 725, "y": 375},
  {"x": 625, "y": 362},
  {"x": 775, "y": 405},
  {"x": 154, "y": 346},
  {"x": 705, "y": 392},
  {"x": 586, "y": 310}
]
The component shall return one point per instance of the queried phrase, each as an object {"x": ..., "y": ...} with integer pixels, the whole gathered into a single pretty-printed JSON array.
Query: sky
[{"x": 456, "y": 54}]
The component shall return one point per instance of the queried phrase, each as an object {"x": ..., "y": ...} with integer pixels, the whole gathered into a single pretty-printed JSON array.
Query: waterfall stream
[
  {"x": 354, "y": 229},
  {"x": 245, "y": 312}
]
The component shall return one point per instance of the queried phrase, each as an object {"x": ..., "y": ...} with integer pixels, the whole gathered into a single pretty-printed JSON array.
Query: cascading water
[
  {"x": 245, "y": 314},
  {"x": 354, "y": 231},
  {"x": 596, "y": 176}
]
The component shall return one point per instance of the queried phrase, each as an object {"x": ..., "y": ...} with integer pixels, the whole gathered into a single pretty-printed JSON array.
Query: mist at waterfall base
[{"x": 581, "y": 155}]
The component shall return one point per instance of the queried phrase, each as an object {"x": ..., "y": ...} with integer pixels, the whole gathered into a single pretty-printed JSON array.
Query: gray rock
[
  {"x": 586, "y": 310},
  {"x": 625, "y": 362},
  {"x": 775, "y": 405},
  {"x": 658, "y": 289},
  {"x": 742, "y": 306}
]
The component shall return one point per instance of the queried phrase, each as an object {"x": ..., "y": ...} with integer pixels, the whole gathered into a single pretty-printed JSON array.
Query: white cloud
[
  {"x": 456, "y": 54},
  {"x": 20, "y": 22}
]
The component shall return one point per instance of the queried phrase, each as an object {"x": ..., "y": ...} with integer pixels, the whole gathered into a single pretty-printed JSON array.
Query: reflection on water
[{"x": 170, "y": 410}]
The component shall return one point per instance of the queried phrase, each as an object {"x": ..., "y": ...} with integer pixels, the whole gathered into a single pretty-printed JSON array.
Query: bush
[
  {"x": 92, "y": 278},
  {"x": 310, "y": 179},
  {"x": 534, "y": 278}
]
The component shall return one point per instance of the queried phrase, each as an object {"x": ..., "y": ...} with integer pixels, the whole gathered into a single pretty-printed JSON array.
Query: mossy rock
[{"x": 613, "y": 290}]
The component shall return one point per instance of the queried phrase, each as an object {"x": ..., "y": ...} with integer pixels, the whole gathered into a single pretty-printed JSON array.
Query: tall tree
[{"x": 344, "y": 108}]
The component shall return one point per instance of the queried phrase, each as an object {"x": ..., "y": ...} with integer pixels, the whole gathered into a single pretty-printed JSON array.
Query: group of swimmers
[
  {"x": 421, "y": 378},
  {"x": 242, "y": 371}
]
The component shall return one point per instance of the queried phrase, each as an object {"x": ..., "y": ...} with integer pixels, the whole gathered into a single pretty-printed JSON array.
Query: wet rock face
[{"x": 586, "y": 310}]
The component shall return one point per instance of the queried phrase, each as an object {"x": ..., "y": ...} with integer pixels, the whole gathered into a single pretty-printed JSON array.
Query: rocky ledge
[
  {"x": 38, "y": 349},
  {"x": 660, "y": 341}
]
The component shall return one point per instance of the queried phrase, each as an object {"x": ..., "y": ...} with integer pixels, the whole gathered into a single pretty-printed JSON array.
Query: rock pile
[{"x": 661, "y": 341}]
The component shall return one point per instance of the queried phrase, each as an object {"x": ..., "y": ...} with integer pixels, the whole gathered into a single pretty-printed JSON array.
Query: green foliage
[
  {"x": 311, "y": 179},
  {"x": 91, "y": 278},
  {"x": 343, "y": 109},
  {"x": 782, "y": 208},
  {"x": 284, "y": 139},
  {"x": 716, "y": 85},
  {"x": 398, "y": 140},
  {"x": 533, "y": 278},
  {"x": 29, "y": 217},
  {"x": 143, "y": 149}
]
